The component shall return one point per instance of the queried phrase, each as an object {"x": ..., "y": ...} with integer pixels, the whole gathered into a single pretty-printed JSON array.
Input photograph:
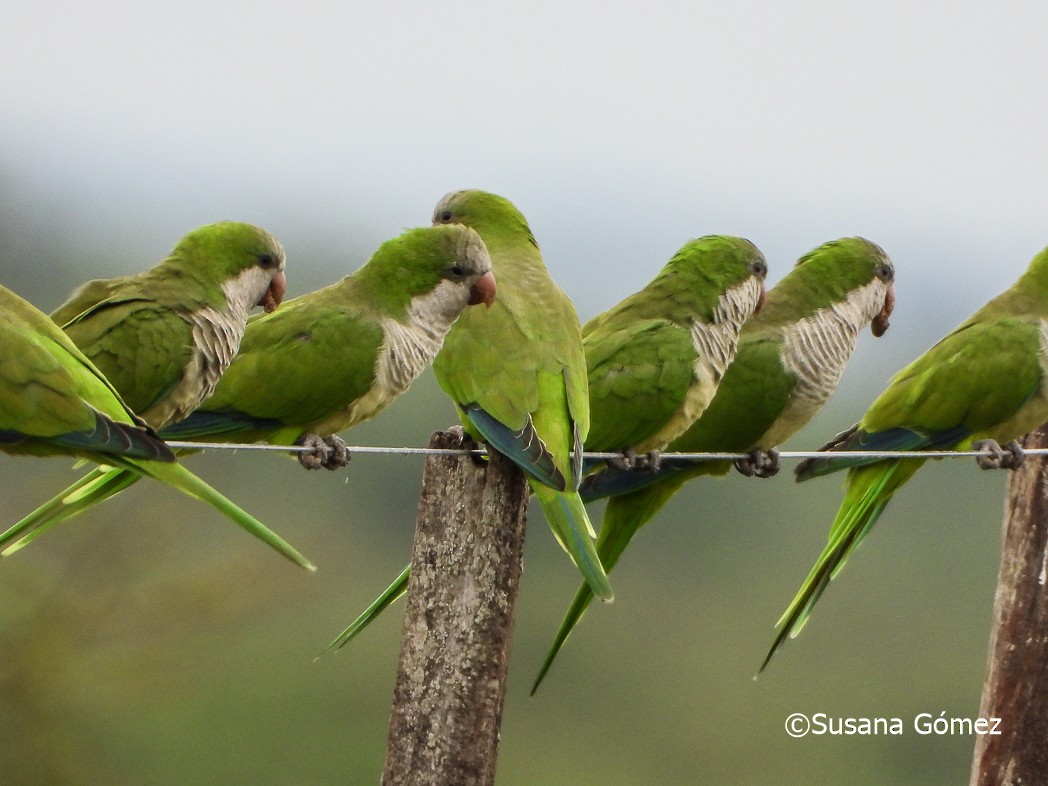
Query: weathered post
[
  {"x": 1016, "y": 689},
  {"x": 465, "y": 571}
]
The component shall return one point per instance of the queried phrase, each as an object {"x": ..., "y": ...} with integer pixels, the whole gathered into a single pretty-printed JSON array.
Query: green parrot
[
  {"x": 164, "y": 337},
  {"x": 517, "y": 372},
  {"x": 340, "y": 356},
  {"x": 789, "y": 360},
  {"x": 56, "y": 402},
  {"x": 983, "y": 385},
  {"x": 655, "y": 359}
]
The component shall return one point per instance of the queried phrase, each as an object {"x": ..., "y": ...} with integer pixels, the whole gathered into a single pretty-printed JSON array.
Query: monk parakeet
[
  {"x": 164, "y": 337},
  {"x": 655, "y": 359},
  {"x": 517, "y": 372},
  {"x": 324, "y": 361},
  {"x": 983, "y": 385},
  {"x": 789, "y": 360},
  {"x": 56, "y": 402}
]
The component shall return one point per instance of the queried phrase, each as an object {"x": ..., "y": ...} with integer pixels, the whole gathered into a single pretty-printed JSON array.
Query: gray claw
[
  {"x": 1011, "y": 456},
  {"x": 625, "y": 462},
  {"x": 630, "y": 461},
  {"x": 759, "y": 464},
  {"x": 339, "y": 456},
  {"x": 330, "y": 453},
  {"x": 649, "y": 462},
  {"x": 470, "y": 444}
]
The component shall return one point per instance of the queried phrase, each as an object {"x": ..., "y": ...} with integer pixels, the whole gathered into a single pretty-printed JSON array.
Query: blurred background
[{"x": 152, "y": 642}]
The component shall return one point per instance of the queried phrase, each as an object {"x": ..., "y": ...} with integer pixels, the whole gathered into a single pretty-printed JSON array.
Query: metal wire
[{"x": 784, "y": 454}]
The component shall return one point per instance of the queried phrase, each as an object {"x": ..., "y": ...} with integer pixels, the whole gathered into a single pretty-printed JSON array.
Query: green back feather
[
  {"x": 136, "y": 328},
  {"x": 323, "y": 347},
  {"x": 641, "y": 356},
  {"x": 523, "y": 356},
  {"x": 54, "y": 401}
]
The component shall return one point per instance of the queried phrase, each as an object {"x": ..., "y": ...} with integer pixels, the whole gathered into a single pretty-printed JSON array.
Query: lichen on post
[
  {"x": 458, "y": 623},
  {"x": 1016, "y": 688}
]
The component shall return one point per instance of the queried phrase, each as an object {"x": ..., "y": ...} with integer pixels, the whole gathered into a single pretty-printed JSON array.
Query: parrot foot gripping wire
[
  {"x": 629, "y": 460},
  {"x": 759, "y": 464},
  {"x": 1010, "y": 456},
  {"x": 329, "y": 453}
]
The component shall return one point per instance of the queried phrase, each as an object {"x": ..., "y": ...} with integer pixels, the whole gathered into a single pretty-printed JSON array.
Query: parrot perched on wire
[
  {"x": 517, "y": 372},
  {"x": 164, "y": 337},
  {"x": 982, "y": 386},
  {"x": 56, "y": 402},
  {"x": 324, "y": 361},
  {"x": 789, "y": 361},
  {"x": 655, "y": 359}
]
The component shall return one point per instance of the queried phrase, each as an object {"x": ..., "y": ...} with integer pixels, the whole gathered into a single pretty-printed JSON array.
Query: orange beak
[
  {"x": 880, "y": 322},
  {"x": 275, "y": 294},
  {"x": 483, "y": 290},
  {"x": 760, "y": 300}
]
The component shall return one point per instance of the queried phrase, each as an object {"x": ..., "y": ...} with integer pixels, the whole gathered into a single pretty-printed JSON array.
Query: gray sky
[{"x": 620, "y": 133}]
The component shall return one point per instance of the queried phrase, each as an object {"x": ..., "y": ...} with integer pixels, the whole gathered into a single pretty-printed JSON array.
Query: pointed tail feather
[
  {"x": 130, "y": 440},
  {"x": 855, "y": 439},
  {"x": 202, "y": 425},
  {"x": 567, "y": 517},
  {"x": 623, "y": 517},
  {"x": 609, "y": 549},
  {"x": 185, "y": 481},
  {"x": 609, "y": 481},
  {"x": 389, "y": 596},
  {"x": 869, "y": 489},
  {"x": 99, "y": 484},
  {"x": 524, "y": 448}
]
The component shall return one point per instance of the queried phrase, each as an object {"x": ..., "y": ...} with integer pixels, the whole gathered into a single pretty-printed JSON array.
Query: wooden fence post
[
  {"x": 1016, "y": 689},
  {"x": 458, "y": 622}
]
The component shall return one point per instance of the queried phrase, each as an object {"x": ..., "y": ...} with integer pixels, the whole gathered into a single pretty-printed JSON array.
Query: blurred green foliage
[{"x": 151, "y": 642}]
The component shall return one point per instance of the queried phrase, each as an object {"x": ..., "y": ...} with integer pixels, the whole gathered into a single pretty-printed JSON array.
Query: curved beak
[
  {"x": 879, "y": 326},
  {"x": 483, "y": 290},
  {"x": 273, "y": 296},
  {"x": 761, "y": 298}
]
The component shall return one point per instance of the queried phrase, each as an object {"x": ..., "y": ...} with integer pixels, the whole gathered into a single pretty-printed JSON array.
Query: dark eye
[
  {"x": 885, "y": 273},
  {"x": 457, "y": 271},
  {"x": 444, "y": 216},
  {"x": 266, "y": 261},
  {"x": 759, "y": 269}
]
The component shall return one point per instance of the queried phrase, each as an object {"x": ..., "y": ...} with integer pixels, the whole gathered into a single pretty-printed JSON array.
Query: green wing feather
[
  {"x": 639, "y": 377},
  {"x": 979, "y": 377},
  {"x": 54, "y": 401},
  {"x": 147, "y": 375},
  {"x": 323, "y": 351}
]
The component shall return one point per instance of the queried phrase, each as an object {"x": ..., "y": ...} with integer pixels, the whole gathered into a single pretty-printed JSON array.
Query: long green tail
[
  {"x": 624, "y": 515},
  {"x": 870, "y": 488},
  {"x": 391, "y": 595},
  {"x": 185, "y": 481},
  {"x": 399, "y": 586},
  {"x": 570, "y": 523},
  {"x": 99, "y": 484},
  {"x": 105, "y": 481}
]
